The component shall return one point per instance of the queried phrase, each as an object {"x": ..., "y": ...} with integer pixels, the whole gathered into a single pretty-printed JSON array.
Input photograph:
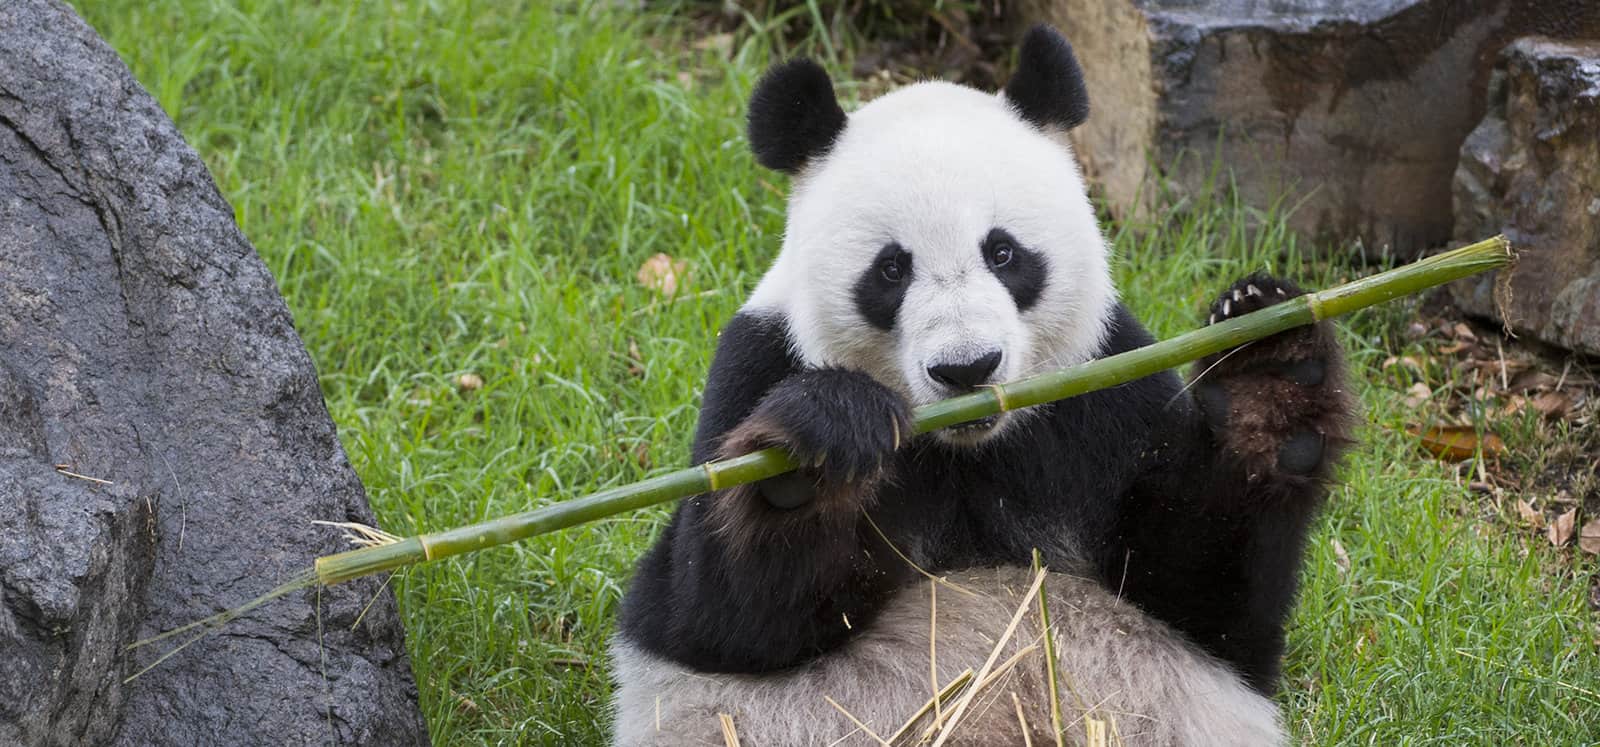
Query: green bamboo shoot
[{"x": 1048, "y": 387}]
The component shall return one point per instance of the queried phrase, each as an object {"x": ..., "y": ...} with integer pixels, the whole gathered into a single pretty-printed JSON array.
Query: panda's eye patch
[
  {"x": 881, "y": 287},
  {"x": 1021, "y": 270}
]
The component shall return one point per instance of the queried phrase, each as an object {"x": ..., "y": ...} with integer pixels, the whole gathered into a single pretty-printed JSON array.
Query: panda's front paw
[
  {"x": 1255, "y": 292},
  {"x": 1277, "y": 405},
  {"x": 842, "y": 426}
]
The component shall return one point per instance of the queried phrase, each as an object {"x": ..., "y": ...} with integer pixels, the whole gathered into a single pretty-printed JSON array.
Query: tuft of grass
[{"x": 460, "y": 188}]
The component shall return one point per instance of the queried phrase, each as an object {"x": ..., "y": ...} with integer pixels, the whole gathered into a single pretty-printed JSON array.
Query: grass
[{"x": 469, "y": 188}]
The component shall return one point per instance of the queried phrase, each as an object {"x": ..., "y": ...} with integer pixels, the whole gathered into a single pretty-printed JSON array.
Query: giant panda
[{"x": 939, "y": 239}]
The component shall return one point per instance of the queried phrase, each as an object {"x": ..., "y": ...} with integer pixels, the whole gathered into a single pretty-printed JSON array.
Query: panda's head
[{"x": 939, "y": 238}]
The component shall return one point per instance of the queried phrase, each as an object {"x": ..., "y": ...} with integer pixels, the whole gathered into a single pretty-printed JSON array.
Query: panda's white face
[{"x": 943, "y": 243}]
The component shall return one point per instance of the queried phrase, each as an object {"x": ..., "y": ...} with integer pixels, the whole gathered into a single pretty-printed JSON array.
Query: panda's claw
[{"x": 1251, "y": 289}]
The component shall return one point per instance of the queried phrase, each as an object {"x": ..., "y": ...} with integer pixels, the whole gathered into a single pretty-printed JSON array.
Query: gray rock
[
  {"x": 143, "y": 342},
  {"x": 1531, "y": 170},
  {"x": 1352, "y": 110}
]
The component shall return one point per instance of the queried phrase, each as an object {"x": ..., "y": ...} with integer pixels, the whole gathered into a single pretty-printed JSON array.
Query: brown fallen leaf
[
  {"x": 663, "y": 274},
  {"x": 635, "y": 359},
  {"x": 720, "y": 43},
  {"x": 1417, "y": 394},
  {"x": 1462, "y": 332},
  {"x": 469, "y": 382},
  {"x": 1408, "y": 361},
  {"x": 1589, "y": 537},
  {"x": 1529, "y": 514},
  {"x": 1552, "y": 405},
  {"x": 1531, "y": 380},
  {"x": 1455, "y": 443},
  {"x": 1513, "y": 405},
  {"x": 1340, "y": 557},
  {"x": 1560, "y": 530}
]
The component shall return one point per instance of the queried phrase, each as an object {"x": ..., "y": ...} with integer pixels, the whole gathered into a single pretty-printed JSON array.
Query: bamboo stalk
[{"x": 1048, "y": 387}]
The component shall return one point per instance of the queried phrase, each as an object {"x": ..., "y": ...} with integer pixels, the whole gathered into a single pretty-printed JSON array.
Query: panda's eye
[
  {"x": 891, "y": 270},
  {"x": 1000, "y": 253}
]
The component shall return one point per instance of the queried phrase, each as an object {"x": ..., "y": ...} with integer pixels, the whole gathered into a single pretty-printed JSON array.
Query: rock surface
[
  {"x": 143, "y": 343},
  {"x": 1354, "y": 110},
  {"x": 1531, "y": 170}
]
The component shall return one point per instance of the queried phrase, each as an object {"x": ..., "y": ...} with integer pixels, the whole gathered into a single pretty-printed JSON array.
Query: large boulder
[
  {"x": 164, "y": 445},
  {"x": 1352, "y": 111},
  {"x": 1531, "y": 169}
]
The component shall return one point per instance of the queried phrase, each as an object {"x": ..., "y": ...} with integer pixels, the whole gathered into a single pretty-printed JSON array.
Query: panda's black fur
[{"x": 1191, "y": 502}]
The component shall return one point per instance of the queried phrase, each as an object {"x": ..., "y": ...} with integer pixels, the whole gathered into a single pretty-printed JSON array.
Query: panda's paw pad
[{"x": 1301, "y": 454}]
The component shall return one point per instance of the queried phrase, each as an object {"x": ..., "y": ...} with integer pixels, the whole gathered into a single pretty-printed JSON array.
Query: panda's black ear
[
  {"x": 1047, "y": 88},
  {"x": 794, "y": 117}
]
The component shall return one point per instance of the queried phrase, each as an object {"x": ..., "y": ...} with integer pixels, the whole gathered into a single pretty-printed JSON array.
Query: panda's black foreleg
[
  {"x": 1212, "y": 538},
  {"x": 763, "y": 576},
  {"x": 1279, "y": 414}
]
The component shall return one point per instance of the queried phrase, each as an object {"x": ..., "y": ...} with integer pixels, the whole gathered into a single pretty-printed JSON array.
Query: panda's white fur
[
  {"x": 1116, "y": 665},
  {"x": 935, "y": 166}
]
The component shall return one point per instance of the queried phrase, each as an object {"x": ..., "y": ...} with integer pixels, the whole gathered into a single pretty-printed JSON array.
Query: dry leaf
[
  {"x": 1560, "y": 530},
  {"x": 469, "y": 382},
  {"x": 635, "y": 359},
  {"x": 1552, "y": 404},
  {"x": 1454, "y": 347},
  {"x": 1530, "y": 380},
  {"x": 1513, "y": 405},
  {"x": 1455, "y": 443},
  {"x": 1589, "y": 537},
  {"x": 1530, "y": 515},
  {"x": 663, "y": 274},
  {"x": 1340, "y": 557},
  {"x": 720, "y": 43},
  {"x": 1407, "y": 361},
  {"x": 1462, "y": 332},
  {"x": 1417, "y": 394}
]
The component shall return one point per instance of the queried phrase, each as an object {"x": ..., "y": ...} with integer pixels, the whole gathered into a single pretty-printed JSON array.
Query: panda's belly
[{"x": 1115, "y": 663}]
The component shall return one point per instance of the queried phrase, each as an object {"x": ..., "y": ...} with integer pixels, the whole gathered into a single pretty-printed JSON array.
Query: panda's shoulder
[{"x": 1124, "y": 332}]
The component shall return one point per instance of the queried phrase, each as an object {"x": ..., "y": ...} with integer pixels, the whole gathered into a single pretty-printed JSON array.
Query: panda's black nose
[{"x": 966, "y": 375}]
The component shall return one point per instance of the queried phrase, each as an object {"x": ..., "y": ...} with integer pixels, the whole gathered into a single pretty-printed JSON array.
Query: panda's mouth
[{"x": 978, "y": 427}]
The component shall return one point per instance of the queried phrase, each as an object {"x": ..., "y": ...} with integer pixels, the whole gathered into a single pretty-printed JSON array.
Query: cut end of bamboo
[{"x": 334, "y": 569}]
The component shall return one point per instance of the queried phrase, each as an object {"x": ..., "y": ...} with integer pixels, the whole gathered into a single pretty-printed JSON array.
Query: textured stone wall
[
  {"x": 1531, "y": 169},
  {"x": 1352, "y": 110}
]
